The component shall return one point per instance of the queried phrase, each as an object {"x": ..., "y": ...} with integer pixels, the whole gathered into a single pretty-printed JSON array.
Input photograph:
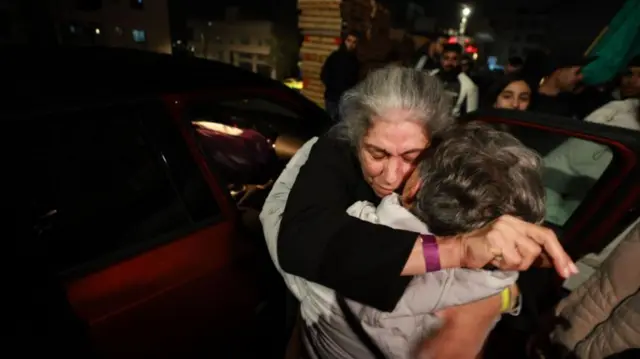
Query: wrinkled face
[
  {"x": 569, "y": 78},
  {"x": 630, "y": 83},
  {"x": 516, "y": 96},
  {"x": 449, "y": 60},
  {"x": 351, "y": 42},
  {"x": 389, "y": 150}
]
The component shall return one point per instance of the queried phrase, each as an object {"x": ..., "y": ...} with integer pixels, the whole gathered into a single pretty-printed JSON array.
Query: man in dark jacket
[
  {"x": 340, "y": 73},
  {"x": 427, "y": 55}
]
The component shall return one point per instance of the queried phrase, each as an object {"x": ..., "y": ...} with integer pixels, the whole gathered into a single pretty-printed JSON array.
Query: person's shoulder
[
  {"x": 364, "y": 210},
  {"x": 465, "y": 78},
  {"x": 620, "y": 113}
]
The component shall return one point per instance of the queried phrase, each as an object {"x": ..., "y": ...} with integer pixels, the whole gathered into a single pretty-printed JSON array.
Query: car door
[
  {"x": 245, "y": 137},
  {"x": 590, "y": 200},
  {"x": 140, "y": 237}
]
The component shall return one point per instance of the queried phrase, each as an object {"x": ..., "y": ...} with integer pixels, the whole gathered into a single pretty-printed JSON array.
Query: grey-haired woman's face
[{"x": 389, "y": 150}]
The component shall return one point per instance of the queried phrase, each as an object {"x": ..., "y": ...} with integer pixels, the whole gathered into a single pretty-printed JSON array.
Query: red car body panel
[{"x": 173, "y": 298}]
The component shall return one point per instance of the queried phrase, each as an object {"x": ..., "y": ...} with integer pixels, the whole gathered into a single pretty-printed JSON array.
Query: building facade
[
  {"x": 137, "y": 24},
  {"x": 255, "y": 45}
]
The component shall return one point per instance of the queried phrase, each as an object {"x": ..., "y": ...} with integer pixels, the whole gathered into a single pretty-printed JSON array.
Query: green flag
[{"x": 617, "y": 46}]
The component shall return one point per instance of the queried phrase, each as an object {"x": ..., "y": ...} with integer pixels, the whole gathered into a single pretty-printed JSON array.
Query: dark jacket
[
  {"x": 339, "y": 73},
  {"x": 319, "y": 241}
]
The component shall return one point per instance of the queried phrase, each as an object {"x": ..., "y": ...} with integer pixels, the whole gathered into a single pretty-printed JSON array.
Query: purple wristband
[{"x": 430, "y": 252}]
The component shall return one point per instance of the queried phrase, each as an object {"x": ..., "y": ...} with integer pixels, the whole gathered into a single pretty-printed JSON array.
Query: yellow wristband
[{"x": 505, "y": 295}]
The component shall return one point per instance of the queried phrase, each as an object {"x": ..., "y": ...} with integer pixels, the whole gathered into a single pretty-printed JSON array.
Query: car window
[
  {"x": 572, "y": 166},
  {"x": 239, "y": 141},
  {"x": 105, "y": 180}
]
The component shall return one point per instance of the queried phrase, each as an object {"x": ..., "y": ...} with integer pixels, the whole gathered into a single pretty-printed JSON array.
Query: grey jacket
[{"x": 396, "y": 333}]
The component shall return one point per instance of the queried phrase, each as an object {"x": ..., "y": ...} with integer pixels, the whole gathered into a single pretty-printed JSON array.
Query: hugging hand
[{"x": 509, "y": 243}]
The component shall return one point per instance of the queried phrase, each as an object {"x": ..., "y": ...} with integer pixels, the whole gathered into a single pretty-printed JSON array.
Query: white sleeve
[
  {"x": 365, "y": 211},
  {"x": 273, "y": 209}
]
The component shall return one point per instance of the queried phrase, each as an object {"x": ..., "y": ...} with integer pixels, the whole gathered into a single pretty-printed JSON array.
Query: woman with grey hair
[{"x": 388, "y": 121}]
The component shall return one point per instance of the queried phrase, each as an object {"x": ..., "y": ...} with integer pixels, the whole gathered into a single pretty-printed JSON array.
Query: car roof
[{"x": 49, "y": 77}]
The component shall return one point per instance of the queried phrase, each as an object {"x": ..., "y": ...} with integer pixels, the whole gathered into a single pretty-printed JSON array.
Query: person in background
[
  {"x": 584, "y": 160},
  {"x": 630, "y": 80},
  {"x": 509, "y": 92},
  {"x": 463, "y": 91},
  {"x": 514, "y": 65},
  {"x": 340, "y": 73},
  {"x": 428, "y": 51},
  {"x": 562, "y": 79}
]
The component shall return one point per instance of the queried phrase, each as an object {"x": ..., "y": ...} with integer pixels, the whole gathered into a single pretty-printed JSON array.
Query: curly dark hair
[{"x": 473, "y": 174}]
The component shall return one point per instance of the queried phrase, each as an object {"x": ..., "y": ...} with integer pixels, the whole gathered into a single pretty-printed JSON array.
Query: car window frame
[{"x": 578, "y": 233}]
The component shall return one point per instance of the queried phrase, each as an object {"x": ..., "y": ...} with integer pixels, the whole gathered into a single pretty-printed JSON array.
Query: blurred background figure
[
  {"x": 428, "y": 50},
  {"x": 461, "y": 88},
  {"x": 340, "y": 73},
  {"x": 509, "y": 92}
]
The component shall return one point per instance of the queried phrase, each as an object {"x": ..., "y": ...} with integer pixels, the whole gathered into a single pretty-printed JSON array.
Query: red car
[{"x": 123, "y": 202}]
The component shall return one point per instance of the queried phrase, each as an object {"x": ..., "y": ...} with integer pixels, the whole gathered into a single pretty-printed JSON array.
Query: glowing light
[{"x": 218, "y": 127}]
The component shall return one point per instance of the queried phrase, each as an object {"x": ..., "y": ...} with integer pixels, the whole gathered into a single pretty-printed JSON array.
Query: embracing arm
[{"x": 320, "y": 242}]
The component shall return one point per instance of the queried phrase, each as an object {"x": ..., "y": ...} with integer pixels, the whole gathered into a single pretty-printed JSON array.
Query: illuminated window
[{"x": 139, "y": 36}]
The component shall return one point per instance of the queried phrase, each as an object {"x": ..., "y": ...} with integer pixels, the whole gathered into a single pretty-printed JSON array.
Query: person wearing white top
[{"x": 573, "y": 167}]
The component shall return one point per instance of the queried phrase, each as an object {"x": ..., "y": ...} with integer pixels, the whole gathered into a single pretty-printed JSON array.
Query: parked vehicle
[{"x": 122, "y": 198}]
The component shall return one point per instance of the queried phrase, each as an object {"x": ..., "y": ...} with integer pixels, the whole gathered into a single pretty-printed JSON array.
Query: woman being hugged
[{"x": 388, "y": 120}]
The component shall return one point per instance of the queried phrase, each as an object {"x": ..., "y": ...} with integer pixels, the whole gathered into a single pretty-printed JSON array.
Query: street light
[{"x": 466, "y": 11}]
